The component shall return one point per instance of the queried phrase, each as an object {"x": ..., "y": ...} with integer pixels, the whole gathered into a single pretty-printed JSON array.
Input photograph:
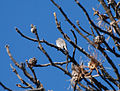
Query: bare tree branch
[
  {"x": 24, "y": 82},
  {"x": 75, "y": 43},
  {"x": 109, "y": 13},
  {"x": 8, "y": 89},
  {"x": 22, "y": 66},
  {"x": 18, "y": 31},
  {"x": 45, "y": 65},
  {"x": 79, "y": 73}
]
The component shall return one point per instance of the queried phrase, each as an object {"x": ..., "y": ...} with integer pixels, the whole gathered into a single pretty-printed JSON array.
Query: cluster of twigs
[{"x": 80, "y": 72}]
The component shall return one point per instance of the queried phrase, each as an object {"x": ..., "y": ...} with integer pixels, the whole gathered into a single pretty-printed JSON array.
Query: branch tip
[
  {"x": 6, "y": 46},
  {"x": 54, "y": 14}
]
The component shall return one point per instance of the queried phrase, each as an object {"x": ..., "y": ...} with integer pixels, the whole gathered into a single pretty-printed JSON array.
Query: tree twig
[
  {"x": 22, "y": 66},
  {"x": 75, "y": 37},
  {"x": 24, "y": 82},
  {"x": 48, "y": 64},
  {"x": 5, "y": 87}
]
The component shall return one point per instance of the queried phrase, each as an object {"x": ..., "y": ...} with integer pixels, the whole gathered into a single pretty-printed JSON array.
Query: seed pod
[
  {"x": 33, "y": 28},
  {"x": 99, "y": 39},
  {"x": 32, "y": 61}
]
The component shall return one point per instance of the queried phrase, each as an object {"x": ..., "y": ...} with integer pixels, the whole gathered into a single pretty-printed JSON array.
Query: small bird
[
  {"x": 33, "y": 28},
  {"x": 61, "y": 43}
]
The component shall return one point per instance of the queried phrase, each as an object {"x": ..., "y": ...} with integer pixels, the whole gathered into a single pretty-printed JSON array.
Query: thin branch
[
  {"x": 5, "y": 86},
  {"x": 74, "y": 88},
  {"x": 111, "y": 50},
  {"x": 117, "y": 10},
  {"x": 100, "y": 85},
  {"x": 110, "y": 62},
  {"x": 32, "y": 70},
  {"x": 48, "y": 64},
  {"x": 109, "y": 13},
  {"x": 93, "y": 34},
  {"x": 24, "y": 82},
  {"x": 8, "y": 51},
  {"x": 110, "y": 78},
  {"x": 101, "y": 16},
  {"x": 87, "y": 88},
  {"x": 66, "y": 72},
  {"x": 70, "y": 41},
  {"x": 22, "y": 66},
  {"x": 42, "y": 49},
  {"x": 94, "y": 26},
  {"x": 38, "y": 89},
  {"x": 91, "y": 84},
  {"x": 18, "y": 31},
  {"x": 82, "y": 28},
  {"x": 107, "y": 82},
  {"x": 90, "y": 21},
  {"x": 20, "y": 86},
  {"x": 75, "y": 37},
  {"x": 49, "y": 58},
  {"x": 73, "y": 25}
]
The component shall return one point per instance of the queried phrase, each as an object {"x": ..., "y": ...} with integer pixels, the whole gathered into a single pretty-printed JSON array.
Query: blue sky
[{"x": 22, "y": 13}]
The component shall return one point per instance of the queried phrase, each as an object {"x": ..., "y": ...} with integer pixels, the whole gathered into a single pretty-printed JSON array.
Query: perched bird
[
  {"x": 61, "y": 43},
  {"x": 33, "y": 28}
]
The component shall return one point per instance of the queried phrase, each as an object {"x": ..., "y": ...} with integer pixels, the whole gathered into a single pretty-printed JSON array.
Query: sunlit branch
[{"x": 49, "y": 64}]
